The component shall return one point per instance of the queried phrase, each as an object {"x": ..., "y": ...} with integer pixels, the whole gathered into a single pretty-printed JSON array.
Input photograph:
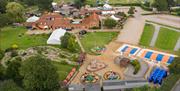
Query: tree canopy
[
  {"x": 175, "y": 66},
  {"x": 39, "y": 74},
  {"x": 161, "y": 5},
  {"x": 110, "y": 23},
  {"x": 9, "y": 85},
  {"x": 16, "y": 11},
  {"x": 3, "y": 6}
]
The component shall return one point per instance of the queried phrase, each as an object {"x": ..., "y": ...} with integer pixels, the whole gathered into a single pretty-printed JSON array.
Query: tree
[
  {"x": 39, "y": 74},
  {"x": 161, "y": 5},
  {"x": 1, "y": 72},
  {"x": 3, "y": 6},
  {"x": 131, "y": 11},
  {"x": 5, "y": 20},
  {"x": 16, "y": 11},
  {"x": 44, "y": 4},
  {"x": 30, "y": 2},
  {"x": 12, "y": 71},
  {"x": 110, "y": 23},
  {"x": 9, "y": 85},
  {"x": 72, "y": 45},
  {"x": 1, "y": 54},
  {"x": 64, "y": 40},
  {"x": 175, "y": 66},
  {"x": 79, "y": 3}
]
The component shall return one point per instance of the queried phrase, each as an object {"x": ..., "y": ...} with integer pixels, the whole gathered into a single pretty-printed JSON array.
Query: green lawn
[
  {"x": 10, "y": 36},
  {"x": 169, "y": 82},
  {"x": 147, "y": 35},
  {"x": 94, "y": 39},
  {"x": 167, "y": 39},
  {"x": 63, "y": 70}
]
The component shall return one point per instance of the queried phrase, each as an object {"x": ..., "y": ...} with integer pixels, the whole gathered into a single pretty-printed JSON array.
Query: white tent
[
  {"x": 107, "y": 7},
  {"x": 114, "y": 18},
  {"x": 55, "y": 36},
  {"x": 108, "y": 12},
  {"x": 32, "y": 19}
]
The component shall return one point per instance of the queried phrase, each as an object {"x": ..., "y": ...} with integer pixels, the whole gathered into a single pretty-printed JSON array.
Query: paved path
[
  {"x": 155, "y": 35},
  {"x": 164, "y": 19},
  {"x": 177, "y": 46},
  {"x": 79, "y": 42},
  {"x": 177, "y": 86},
  {"x": 132, "y": 30}
]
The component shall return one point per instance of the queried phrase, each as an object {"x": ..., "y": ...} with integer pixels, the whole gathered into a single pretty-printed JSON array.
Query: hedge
[
  {"x": 146, "y": 8},
  {"x": 136, "y": 65}
]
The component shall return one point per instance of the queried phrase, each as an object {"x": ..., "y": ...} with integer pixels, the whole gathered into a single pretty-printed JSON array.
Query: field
[
  {"x": 62, "y": 70},
  {"x": 167, "y": 39},
  {"x": 147, "y": 35},
  {"x": 91, "y": 40},
  {"x": 10, "y": 36}
]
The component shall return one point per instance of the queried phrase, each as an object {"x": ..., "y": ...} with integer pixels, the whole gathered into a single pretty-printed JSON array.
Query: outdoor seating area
[{"x": 156, "y": 56}]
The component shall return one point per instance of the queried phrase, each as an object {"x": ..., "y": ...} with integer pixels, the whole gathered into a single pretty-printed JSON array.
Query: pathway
[
  {"x": 79, "y": 42},
  {"x": 155, "y": 35},
  {"x": 132, "y": 30},
  {"x": 169, "y": 20},
  {"x": 176, "y": 86},
  {"x": 177, "y": 46}
]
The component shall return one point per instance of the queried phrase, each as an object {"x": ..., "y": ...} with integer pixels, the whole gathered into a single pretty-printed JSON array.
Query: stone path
[
  {"x": 155, "y": 36},
  {"x": 177, "y": 46}
]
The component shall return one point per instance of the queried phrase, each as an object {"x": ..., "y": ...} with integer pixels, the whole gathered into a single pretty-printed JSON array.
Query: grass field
[
  {"x": 147, "y": 35},
  {"x": 10, "y": 36},
  {"x": 167, "y": 39},
  {"x": 62, "y": 70},
  {"x": 91, "y": 40},
  {"x": 169, "y": 82}
]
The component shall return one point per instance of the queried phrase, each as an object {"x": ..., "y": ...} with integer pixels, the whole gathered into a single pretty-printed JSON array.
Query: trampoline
[
  {"x": 148, "y": 55},
  {"x": 159, "y": 57}
]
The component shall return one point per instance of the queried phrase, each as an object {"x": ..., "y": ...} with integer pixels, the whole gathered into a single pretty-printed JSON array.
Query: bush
[
  {"x": 14, "y": 53},
  {"x": 136, "y": 65},
  {"x": 1, "y": 54},
  {"x": 131, "y": 11},
  {"x": 110, "y": 23},
  {"x": 14, "y": 46},
  {"x": 146, "y": 8},
  {"x": 64, "y": 62}
]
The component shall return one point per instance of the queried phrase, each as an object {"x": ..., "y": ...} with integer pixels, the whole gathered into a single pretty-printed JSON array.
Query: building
[{"x": 52, "y": 21}]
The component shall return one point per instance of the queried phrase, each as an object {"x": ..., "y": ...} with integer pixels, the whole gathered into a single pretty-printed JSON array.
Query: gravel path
[{"x": 155, "y": 35}]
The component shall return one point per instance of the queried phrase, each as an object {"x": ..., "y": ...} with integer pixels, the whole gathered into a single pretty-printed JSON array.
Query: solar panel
[
  {"x": 159, "y": 57},
  {"x": 148, "y": 54}
]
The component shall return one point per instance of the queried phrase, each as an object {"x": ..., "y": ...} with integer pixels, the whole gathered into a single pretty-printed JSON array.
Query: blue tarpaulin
[
  {"x": 170, "y": 60},
  {"x": 124, "y": 49},
  {"x": 133, "y": 50},
  {"x": 148, "y": 55},
  {"x": 159, "y": 57}
]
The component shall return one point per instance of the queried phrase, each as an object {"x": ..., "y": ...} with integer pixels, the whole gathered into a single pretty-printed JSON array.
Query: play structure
[
  {"x": 89, "y": 78},
  {"x": 111, "y": 75},
  {"x": 95, "y": 66},
  {"x": 98, "y": 50},
  {"x": 157, "y": 75},
  {"x": 156, "y": 56}
]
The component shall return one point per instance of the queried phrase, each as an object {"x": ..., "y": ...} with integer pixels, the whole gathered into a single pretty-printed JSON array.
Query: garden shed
[{"x": 55, "y": 36}]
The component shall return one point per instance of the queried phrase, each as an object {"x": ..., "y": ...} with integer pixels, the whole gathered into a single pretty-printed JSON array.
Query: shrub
[
  {"x": 14, "y": 53},
  {"x": 146, "y": 8},
  {"x": 110, "y": 23},
  {"x": 1, "y": 54},
  {"x": 136, "y": 65},
  {"x": 64, "y": 62},
  {"x": 131, "y": 11},
  {"x": 14, "y": 46}
]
